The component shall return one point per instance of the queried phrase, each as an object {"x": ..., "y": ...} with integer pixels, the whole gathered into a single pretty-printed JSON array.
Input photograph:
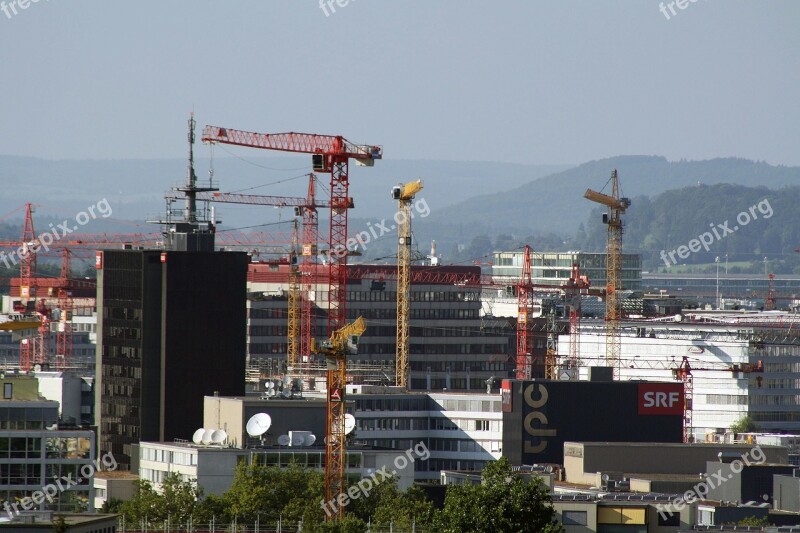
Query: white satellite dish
[
  {"x": 298, "y": 439},
  {"x": 286, "y": 394},
  {"x": 310, "y": 440},
  {"x": 258, "y": 424},
  {"x": 37, "y": 368},
  {"x": 219, "y": 436},
  {"x": 349, "y": 423},
  {"x": 284, "y": 440},
  {"x": 197, "y": 438},
  {"x": 206, "y": 439}
]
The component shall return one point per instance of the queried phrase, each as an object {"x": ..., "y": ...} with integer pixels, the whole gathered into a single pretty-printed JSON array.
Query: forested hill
[{"x": 746, "y": 223}]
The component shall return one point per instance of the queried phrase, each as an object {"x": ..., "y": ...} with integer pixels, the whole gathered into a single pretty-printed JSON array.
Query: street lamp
[{"x": 717, "y": 261}]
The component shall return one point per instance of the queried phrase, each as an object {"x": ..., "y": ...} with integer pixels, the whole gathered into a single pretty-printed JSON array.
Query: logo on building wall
[
  {"x": 535, "y": 422},
  {"x": 660, "y": 398},
  {"x": 505, "y": 395}
]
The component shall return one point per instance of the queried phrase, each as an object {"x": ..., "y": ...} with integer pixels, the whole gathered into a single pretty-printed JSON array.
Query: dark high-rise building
[{"x": 171, "y": 329}]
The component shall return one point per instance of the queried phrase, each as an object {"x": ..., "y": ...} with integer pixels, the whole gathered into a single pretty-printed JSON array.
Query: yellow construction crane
[
  {"x": 19, "y": 325},
  {"x": 341, "y": 342},
  {"x": 616, "y": 207},
  {"x": 293, "y": 309},
  {"x": 404, "y": 194}
]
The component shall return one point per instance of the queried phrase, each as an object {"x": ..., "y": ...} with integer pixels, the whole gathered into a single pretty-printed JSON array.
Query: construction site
[{"x": 316, "y": 321}]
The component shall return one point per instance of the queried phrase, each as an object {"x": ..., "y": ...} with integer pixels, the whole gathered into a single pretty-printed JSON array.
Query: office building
[
  {"x": 35, "y": 454},
  {"x": 171, "y": 329},
  {"x": 453, "y": 346}
]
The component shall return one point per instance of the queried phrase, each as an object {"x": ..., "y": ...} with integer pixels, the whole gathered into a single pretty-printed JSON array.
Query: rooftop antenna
[
  {"x": 197, "y": 438},
  {"x": 349, "y": 423},
  {"x": 219, "y": 436},
  {"x": 186, "y": 230},
  {"x": 258, "y": 424}
]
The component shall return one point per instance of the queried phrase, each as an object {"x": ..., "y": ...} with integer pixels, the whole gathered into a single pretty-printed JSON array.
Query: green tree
[
  {"x": 112, "y": 506},
  {"x": 144, "y": 506},
  {"x": 348, "y": 524},
  {"x": 178, "y": 499},
  {"x": 753, "y": 521},
  {"x": 269, "y": 492},
  {"x": 502, "y": 502},
  {"x": 744, "y": 425},
  {"x": 386, "y": 504},
  {"x": 60, "y": 525},
  {"x": 178, "y": 502}
]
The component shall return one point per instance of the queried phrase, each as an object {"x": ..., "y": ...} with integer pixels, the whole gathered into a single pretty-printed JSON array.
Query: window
[
  {"x": 669, "y": 519},
  {"x": 573, "y": 518},
  {"x": 8, "y": 391}
]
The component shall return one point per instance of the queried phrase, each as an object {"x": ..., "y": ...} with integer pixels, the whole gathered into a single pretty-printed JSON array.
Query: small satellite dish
[
  {"x": 270, "y": 385},
  {"x": 197, "y": 438},
  {"x": 349, "y": 423},
  {"x": 219, "y": 436},
  {"x": 37, "y": 368},
  {"x": 258, "y": 424},
  {"x": 310, "y": 440},
  {"x": 206, "y": 439},
  {"x": 284, "y": 440},
  {"x": 286, "y": 394},
  {"x": 298, "y": 439}
]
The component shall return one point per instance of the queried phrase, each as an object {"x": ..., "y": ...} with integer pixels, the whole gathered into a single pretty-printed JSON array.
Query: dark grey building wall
[
  {"x": 171, "y": 329},
  {"x": 204, "y": 328},
  {"x": 577, "y": 411}
]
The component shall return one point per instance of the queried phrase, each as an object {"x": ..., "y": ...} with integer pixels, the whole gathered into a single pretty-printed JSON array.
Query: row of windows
[
  {"x": 782, "y": 384},
  {"x": 74, "y": 501},
  {"x": 304, "y": 459},
  {"x": 461, "y": 366},
  {"x": 464, "y": 424},
  {"x": 168, "y": 456},
  {"x": 785, "y": 399},
  {"x": 443, "y": 383},
  {"x": 725, "y": 399},
  {"x": 27, "y": 417},
  {"x": 775, "y": 416},
  {"x": 782, "y": 367},
  {"x": 406, "y": 404}
]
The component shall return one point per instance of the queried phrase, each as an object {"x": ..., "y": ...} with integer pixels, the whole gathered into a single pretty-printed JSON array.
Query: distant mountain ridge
[
  {"x": 555, "y": 203},
  {"x": 135, "y": 188}
]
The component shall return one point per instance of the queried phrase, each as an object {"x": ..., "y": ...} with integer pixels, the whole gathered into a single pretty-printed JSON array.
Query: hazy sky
[{"x": 560, "y": 81}]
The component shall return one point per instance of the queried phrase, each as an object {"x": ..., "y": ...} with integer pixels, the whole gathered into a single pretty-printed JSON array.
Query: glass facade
[
  {"x": 32, "y": 461},
  {"x": 555, "y": 268}
]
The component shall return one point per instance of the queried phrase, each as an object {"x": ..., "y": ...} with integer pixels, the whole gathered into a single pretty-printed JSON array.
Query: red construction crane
[
  {"x": 769, "y": 303},
  {"x": 330, "y": 154},
  {"x": 573, "y": 289},
  {"x": 684, "y": 374},
  {"x": 307, "y": 208},
  {"x": 524, "y": 314}
]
